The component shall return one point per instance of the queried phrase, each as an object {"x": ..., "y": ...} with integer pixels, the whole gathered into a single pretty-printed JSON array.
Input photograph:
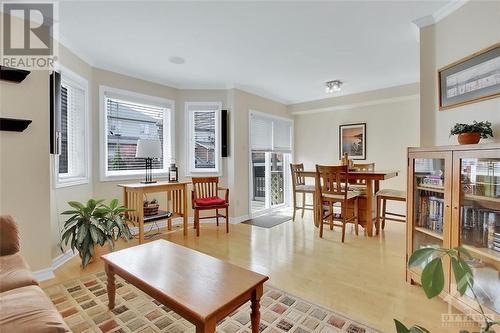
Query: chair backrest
[
  {"x": 205, "y": 187},
  {"x": 362, "y": 167},
  {"x": 331, "y": 180},
  {"x": 297, "y": 179}
]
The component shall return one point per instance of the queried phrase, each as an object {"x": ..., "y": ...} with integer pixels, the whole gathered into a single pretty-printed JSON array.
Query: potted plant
[
  {"x": 471, "y": 134},
  {"x": 432, "y": 280},
  {"x": 94, "y": 224}
]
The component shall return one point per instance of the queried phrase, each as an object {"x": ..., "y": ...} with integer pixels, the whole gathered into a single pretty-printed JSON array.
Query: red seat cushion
[{"x": 212, "y": 201}]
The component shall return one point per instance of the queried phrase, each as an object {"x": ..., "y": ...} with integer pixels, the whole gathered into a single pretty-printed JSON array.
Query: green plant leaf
[
  {"x": 70, "y": 212},
  {"x": 94, "y": 232},
  {"x": 432, "y": 278},
  {"x": 418, "y": 329},
  {"x": 464, "y": 251},
  {"x": 113, "y": 204},
  {"x": 76, "y": 205},
  {"x": 82, "y": 233},
  {"x": 420, "y": 256},
  {"x": 400, "y": 327},
  {"x": 459, "y": 274}
]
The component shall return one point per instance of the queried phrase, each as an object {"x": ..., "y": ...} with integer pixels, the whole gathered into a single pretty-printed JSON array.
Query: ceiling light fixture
[
  {"x": 177, "y": 60},
  {"x": 333, "y": 86}
]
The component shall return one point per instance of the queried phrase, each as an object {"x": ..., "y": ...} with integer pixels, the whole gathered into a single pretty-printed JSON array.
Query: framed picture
[
  {"x": 469, "y": 80},
  {"x": 352, "y": 140}
]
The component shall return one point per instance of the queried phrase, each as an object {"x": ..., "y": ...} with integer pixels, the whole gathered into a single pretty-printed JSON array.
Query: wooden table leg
[
  {"x": 185, "y": 210},
  {"x": 316, "y": 211},
  {"x": 208, "y": 327},
  {"x": 369, "y": 208},
  {"x": 255, "y": 315},
  {"x": 110, "y": 286}
]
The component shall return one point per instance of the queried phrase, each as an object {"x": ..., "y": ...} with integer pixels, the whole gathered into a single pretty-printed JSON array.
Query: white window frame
[
  {"x": 191, "y": 170},
  {"x": 66, "y": 181},
  {"x": 168, "y": 145}
]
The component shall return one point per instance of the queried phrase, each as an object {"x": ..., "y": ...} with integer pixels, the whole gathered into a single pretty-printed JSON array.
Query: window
[
  {"x": 129, "y": 117},
  {"x": 71, "y": 164},
  {"x": 269, "y": 133},
  {"x": 204, "y": 137}
]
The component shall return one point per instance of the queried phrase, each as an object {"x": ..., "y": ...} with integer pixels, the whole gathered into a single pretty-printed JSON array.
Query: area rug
[
  {"x": 83, "y": 305},
  {"x": 268, "y": 221}
]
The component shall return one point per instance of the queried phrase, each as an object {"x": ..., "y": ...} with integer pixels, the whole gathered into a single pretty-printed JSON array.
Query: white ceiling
[{"x": 281, "y": 50}]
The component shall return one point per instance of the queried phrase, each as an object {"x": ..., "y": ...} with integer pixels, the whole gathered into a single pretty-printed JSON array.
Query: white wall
[
  {"x": 390, "y": 129},
  {"x": 473, "y": 27}
]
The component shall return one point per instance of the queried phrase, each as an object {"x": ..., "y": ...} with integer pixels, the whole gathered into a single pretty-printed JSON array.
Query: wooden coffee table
[{"x": 200, "y": 288}]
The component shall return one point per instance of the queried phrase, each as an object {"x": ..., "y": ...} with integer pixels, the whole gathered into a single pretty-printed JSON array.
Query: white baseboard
[{"x": 48, "y": 273}]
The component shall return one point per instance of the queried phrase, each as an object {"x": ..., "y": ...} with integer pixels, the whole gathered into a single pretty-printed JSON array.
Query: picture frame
[
  {"x": 471, "y": 79},
  {"x": 352, "y": 140}
]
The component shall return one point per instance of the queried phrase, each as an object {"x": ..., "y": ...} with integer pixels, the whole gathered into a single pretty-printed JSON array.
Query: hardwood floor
[{"x": 364, "y": 278}]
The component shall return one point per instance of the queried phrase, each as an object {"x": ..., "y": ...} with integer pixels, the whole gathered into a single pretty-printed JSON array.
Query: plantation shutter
[
  {"x": 128, "y": 122},
  {"x": 72, "y": 157},
  {"x": 270, "y": 134}
]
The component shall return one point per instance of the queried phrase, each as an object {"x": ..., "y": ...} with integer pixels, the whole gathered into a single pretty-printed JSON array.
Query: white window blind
[
  {"x": 72, "y": 160},
  {"x": 128, "y": 121},
  {"x": 204, "y": 136},
  {"x": 270, "y": 134}
]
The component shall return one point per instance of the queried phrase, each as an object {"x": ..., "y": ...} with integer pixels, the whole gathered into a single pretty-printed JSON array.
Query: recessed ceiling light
[
  {"x": 333, "y": 86},
  {"x": 177, "y": 60}
]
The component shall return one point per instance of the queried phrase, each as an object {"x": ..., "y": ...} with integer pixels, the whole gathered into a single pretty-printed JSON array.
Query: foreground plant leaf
[{"x": 432, "y": 278}]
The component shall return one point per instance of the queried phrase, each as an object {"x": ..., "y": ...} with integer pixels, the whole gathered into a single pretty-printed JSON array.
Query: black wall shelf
[
  {"x": 14, "y": 125},
  {"x": 13, "y": 74}
]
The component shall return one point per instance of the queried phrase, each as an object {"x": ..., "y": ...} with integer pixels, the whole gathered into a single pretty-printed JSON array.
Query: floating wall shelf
[
  {"x": 14, "y": 125},
  {"x": 13, "y": 74}
]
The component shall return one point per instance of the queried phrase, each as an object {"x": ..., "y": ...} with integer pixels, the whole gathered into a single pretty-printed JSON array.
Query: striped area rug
[{"x": 83, "y": 305}]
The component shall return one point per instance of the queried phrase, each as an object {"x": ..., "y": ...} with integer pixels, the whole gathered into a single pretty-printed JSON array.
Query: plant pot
[{"x": 469, "y": 138}]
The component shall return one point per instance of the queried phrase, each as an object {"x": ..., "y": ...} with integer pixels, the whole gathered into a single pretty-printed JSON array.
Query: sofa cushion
[
  {"x": 9, "y": 236},
  {"x": 28, "y": 309},
  {"x": 14, "y": 273}
]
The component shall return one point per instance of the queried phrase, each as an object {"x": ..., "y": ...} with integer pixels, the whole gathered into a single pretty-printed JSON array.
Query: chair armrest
[
  {"x": 227, "y": 192},
  {"x": 9, "y": 236}
]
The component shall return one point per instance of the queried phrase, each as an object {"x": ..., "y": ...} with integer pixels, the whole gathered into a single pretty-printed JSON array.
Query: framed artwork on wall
[
  {"x": 471, "y": 79},
  {"x": 352, "y": 140}
]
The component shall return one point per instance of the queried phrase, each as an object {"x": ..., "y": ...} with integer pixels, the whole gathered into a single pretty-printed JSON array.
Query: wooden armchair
[{"x": 205, "y": 196}]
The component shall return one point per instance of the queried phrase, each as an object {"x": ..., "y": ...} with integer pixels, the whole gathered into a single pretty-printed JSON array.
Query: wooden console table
[{"x": 176, "y": 198}]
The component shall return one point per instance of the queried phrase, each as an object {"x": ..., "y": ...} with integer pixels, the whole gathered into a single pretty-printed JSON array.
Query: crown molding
[
  {"x": 359, "y": 105},
  {"x": 440, "y": 14}
]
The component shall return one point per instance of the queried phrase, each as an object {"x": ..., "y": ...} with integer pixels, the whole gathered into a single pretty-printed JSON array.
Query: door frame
[{"x": 286, "y": 171}]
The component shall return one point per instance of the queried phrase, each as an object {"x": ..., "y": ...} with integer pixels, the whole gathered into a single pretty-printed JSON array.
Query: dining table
[{"x": 372, "y": 180}]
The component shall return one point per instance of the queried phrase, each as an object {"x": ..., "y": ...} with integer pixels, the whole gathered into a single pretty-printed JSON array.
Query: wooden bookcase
[{"x": 454, "y": 199}]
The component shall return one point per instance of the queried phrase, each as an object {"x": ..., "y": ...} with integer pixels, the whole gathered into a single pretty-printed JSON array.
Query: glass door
[
  {"x": 430, "y": 192},
  {"x": 477, "y": 221},
  {"x": 268, "y": 181}
]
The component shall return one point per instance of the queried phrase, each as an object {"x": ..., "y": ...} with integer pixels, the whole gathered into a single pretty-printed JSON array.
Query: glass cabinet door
[
  {"x": 430, "y": 177},
  {"x": 478, "y": 213}
]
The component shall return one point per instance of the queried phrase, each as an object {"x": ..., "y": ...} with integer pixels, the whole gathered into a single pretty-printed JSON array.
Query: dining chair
[
  {"x": 205, "y": 196},
  {"x": 382, "y": 214},
  {"x": 332, "y": 189},
  {"x": 299, "y": 186}
]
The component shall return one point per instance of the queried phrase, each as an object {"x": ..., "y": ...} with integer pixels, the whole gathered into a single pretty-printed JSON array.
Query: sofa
[{"x": 24, "y": 307}]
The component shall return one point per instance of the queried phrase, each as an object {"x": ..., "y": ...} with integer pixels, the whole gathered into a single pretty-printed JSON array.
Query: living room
[{"x": 211, "y": 131}]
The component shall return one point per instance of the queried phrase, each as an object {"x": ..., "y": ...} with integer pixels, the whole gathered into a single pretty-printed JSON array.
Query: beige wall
[
  {"x": 473, "y": 27},
  {"x": 24, "y": 165}
]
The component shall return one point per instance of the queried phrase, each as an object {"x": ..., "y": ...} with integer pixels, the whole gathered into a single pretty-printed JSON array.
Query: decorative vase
[{"x": 469, "y": 138}]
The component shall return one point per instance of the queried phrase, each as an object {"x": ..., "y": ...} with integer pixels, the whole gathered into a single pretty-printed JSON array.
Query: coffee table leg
[
  {"x": 207, "y": 327},
  {"x": 111, "y": 286},
  {"x": 255, "y": 315}
]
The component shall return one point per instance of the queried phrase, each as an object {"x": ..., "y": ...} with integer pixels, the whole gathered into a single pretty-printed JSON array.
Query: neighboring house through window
[
  {"x": 71, "y": 165},
  {"x": 128, "y": 118},
  {"x": 204, "y": 137}
]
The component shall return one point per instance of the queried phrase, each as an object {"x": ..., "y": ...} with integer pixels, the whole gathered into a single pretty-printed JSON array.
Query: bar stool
[
  {"x": 299, "y": 186},
  {"x": 382, "y": 197}
]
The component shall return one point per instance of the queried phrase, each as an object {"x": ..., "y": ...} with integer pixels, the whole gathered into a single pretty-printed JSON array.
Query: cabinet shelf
[
  {"x": 483, "y": 251},
  {"x": 480, "y": 198},
  {"x": 429, "y": 232},
  {"x": 431, "y": 189}
]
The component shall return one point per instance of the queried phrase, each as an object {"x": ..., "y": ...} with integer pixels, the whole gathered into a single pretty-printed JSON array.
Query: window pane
[
  {"x": 127, "y": 122},
  {"x": 204, "y": 139},
  {"x": 63, "y": 157}
]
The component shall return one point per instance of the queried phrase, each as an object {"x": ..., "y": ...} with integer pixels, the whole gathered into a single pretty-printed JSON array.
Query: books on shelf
[
  {"x": 480, "y": 227},
  {"x": 431, "y": 213}
]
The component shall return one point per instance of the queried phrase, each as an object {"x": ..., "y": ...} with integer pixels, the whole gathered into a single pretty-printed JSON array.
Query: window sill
[
  {"x": 135, "y": 176},
  {"x": 71, "y": 182},
  {"x": 204, "y": 174}
]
